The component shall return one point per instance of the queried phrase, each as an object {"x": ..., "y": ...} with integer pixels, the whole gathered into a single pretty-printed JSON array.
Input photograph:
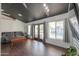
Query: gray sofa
[{"x": 7, "y": 36}]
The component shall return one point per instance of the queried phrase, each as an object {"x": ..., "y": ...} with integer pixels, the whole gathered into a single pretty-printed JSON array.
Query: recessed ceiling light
[
  {"x": 44, "y": 4},
  {"x": 24, "y": 5},
  {"x": 19, "y": 14},
  {"x": 46, "y": 8}
]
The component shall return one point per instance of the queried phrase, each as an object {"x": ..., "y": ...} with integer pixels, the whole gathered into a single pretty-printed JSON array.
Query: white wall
[
  {"x": 64, "y": 16},
  {"x": 58, "y": 43},
  {"x": 8, "y": 25}
]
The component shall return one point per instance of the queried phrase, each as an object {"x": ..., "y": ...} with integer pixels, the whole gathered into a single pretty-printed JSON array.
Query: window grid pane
[
  {"x": 56, "y": 30},
  {"x": 75, "y": 23},
  {"x": 51, "y": 30},
  {"x": 59, "y": 30}
]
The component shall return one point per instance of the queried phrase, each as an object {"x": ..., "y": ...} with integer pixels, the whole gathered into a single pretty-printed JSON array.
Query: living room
[{"x": 33, "y": 27}]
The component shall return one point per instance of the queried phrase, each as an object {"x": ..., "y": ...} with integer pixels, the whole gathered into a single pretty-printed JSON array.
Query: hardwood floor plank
[{"x": 31, "y": 48}]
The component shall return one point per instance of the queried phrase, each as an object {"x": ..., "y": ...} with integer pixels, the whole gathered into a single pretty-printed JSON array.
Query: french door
[
  {"x": 39, "y": 32},
  {"x": 36, "y": 29}
]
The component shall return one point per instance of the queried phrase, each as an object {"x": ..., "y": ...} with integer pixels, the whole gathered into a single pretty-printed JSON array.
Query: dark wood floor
[{"x": 31, "y": 48}]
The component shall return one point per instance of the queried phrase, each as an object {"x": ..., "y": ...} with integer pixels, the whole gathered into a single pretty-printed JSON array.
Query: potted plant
[
  {"x": 72, "y": 51},
  {"x": 27, "y": 36}
]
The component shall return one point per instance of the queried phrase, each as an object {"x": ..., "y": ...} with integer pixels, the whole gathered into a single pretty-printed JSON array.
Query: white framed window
[
  {"x": 56, "y": 30},
  {"x": 51, "y": 30},
  {"x": 75, "y": 23},
  {"x": 59, "y": 30}
]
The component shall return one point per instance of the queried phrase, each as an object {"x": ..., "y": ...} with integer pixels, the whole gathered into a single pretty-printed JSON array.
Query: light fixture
[
  {"x": 44, "y": 4},
  {"x": 19, "y": 14},
  {"x": 24, "y": 5},
  {"x": 46, "y": 8},
  {"x": 6, "y": 14}
]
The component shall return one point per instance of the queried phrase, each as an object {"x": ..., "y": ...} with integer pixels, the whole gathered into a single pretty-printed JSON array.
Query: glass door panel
[
  {"x": 41, "y": 31},
  {"x": 29, "y": 29},
  {"x": 36, "y": 31}
]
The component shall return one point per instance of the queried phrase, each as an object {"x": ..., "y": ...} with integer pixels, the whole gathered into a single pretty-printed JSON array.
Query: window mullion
[{"x": 55, "y": 30}]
